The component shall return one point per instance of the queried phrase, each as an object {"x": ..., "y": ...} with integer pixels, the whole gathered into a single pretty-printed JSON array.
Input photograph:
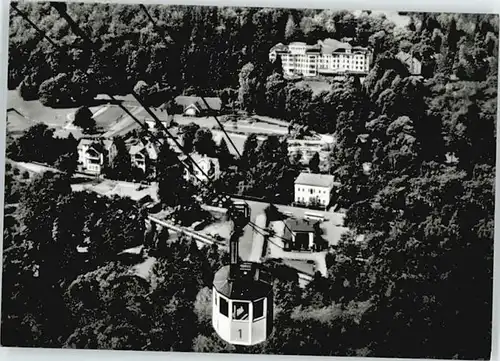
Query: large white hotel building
[{"x": 327, "y": 57}]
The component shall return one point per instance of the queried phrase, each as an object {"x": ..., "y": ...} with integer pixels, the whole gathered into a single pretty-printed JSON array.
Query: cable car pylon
[{"x": 242, "y": 300}]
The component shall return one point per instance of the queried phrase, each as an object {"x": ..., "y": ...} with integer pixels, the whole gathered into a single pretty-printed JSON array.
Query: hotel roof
[{"x": 317, "y": 180}]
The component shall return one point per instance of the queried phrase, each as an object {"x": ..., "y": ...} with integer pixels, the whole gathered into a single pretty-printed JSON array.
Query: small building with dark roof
[{"x": 299, "y": 234}]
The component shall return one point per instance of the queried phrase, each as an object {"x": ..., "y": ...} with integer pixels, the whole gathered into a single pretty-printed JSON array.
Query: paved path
[{"x": 258, "y": 238}]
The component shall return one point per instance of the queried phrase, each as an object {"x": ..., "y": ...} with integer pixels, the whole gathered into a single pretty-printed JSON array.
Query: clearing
[{"x": 111, "y": 188}]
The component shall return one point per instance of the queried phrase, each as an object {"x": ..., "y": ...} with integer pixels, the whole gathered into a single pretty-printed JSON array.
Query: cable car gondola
[{"x": 242, "y": 301}]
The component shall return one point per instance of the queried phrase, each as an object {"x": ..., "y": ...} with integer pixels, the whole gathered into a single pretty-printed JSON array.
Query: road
[{"x": 258, "y": 238}]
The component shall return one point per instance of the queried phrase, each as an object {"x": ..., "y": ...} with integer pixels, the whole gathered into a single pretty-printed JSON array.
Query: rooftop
[
  {"x": 136, "y": 148},
  {"x": 325, "y": 46},
  {"x": 185, "y": 101},
  {"x": 300, "y": 225},
  {"x": 317, "y": 180},
  {"x": 86, "y": 141},
  {"x": 329, "y": 46},
  {"x": 198, "y": 157},
  {"x": 279, "y": 47},
  {"x": 251, "y": 284}
]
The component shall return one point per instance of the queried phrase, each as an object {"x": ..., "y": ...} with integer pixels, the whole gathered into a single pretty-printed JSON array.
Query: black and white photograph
[{"x": 249, "y": 180}]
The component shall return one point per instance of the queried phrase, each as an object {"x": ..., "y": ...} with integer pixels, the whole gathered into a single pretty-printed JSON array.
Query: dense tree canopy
[
  {"x": 135, "y": 47},
  {"x": 38, "y": 144}
]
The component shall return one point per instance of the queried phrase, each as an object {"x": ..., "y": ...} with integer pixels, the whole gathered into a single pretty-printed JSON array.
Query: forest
[{"x": 420, "y": 283}]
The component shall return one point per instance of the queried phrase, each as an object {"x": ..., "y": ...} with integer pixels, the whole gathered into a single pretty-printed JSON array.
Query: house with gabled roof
[
  {"x": 299, "y": 234},
  {"x": 143, "y": 155},
  {"x": 196, "y": 106},
  {"x": 91, "y": 155},
  {"x": 209, "y": 167},
  {"x": 94, "y": 154}
]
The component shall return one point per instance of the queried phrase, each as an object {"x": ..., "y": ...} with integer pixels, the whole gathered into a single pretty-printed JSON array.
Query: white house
[
  {"x": 144, "y": 156},
  {"x": 327, "y": 57},
  {"x": 314, "y": 189},
  {"x": 92, "y": 155},
  {"x": 209, "y": 166}
]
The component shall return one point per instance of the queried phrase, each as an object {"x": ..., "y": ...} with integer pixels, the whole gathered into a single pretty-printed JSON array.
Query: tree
[
  {"x": 228, "y": 96},
  {"x": 290, "y": 29},
  {"x": 67, "y": 162},
  {"x": 474, "y": 137},
  {"x": 114, "y": 231},
  {"x": 120, "y": 166},
  {"x": 36, "y": 144},
  {"x": 247, "y": 88},
  {"x": 56, "y": 92},
  {"x": 203, "y": 142},
  {"x": 169, "y": 175},
  {"x": 314, "y": 163},
  {"x": 249, "y": 156},
  {"x": 298, "y": 100},
  {"x": 49, "y": 248},
  {"x": 83, "y": 90},
  {"x": 28, "y": 89},
  {"x": 188, "y": 136},
  {"x": 160, "y": 245},
  {"x": 225, "y": 157},
  {"x": 276, "y": 95},
  {"x": 83, "y": 118},
  {"x": 141, "y": 89}
]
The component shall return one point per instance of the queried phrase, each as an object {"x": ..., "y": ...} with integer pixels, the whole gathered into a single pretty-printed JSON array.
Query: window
[
  {"x": 240, "y": 311},
  {"x": 258, "y": 309},
  {"x": 224, "y": 307}
]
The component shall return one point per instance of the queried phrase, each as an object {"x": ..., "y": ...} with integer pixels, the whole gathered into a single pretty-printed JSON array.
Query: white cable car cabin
[{"x": 242, "y": 304}]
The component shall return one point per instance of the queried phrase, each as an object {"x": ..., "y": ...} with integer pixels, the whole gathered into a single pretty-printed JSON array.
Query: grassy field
[
  {"x": 24, "y": 114},
  {"x": 108, "y": 115},
  {"x": 17, "y": 124},
  {"x": 37, "y": 112}
]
